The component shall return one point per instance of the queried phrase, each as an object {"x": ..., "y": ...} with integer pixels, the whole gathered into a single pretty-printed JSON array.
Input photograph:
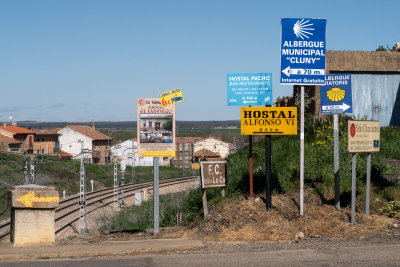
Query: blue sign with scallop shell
[{"x": 335, "y": 95}]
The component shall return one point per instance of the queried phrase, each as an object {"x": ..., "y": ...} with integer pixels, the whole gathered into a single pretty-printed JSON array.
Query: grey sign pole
[
  {"x": 353, "y": 188},
  {"x": 302, "y": 152},
  {"x": 204, "y": 198},
  {"x": 336, "y": 159},
  {"x": 368, "y": 184},
  {"x": 156, "y": 198}
]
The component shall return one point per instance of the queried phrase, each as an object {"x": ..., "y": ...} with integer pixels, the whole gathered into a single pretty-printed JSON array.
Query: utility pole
[
  {"x": 26, "y": 179},
  {"x": 82, "y": 193},
  {"x": 32, "y": 171},
  {"x": 123, "y": 168},
  {"x": 115, "y": 182},
  {"x": 193, "y": 157},
  {"x": 183, "y": 158},
  {"x": 133, "y": 161}
]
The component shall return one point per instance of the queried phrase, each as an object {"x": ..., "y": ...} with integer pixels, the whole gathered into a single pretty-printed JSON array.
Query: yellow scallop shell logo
[{"x": 335, "y": 94}]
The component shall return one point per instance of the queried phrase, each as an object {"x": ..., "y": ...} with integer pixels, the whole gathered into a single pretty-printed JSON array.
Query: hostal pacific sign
[{"x": 268, "y": 121}]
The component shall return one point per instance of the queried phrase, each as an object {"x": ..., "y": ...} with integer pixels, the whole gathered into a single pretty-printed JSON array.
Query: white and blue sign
[
  {"x": 246, "y": 89},
  {"x": 335, "y": 95},
  {"x": 303, "y": 50}
]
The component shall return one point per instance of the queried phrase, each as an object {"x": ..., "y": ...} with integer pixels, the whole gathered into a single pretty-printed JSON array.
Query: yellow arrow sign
[{"x": 30, "y": 197}]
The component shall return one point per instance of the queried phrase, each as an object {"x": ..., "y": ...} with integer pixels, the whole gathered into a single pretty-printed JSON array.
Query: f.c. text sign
[
  {"x": 268, "y": 121},
  {"x": 213, "y": 174},
  {"x": 363, "y": 136},
  {"x": 245, "y": 89},
  {"x": 303, "y": 50}
]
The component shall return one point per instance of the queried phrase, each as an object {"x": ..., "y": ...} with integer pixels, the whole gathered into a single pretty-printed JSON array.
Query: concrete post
[{"x": 32, "y": 214}]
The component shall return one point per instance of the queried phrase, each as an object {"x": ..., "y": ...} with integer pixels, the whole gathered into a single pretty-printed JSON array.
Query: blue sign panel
[
  {"x": 335, "y": 95},
  {"x": 246, "y": 89},
  {"x": 303, "y": 50}
]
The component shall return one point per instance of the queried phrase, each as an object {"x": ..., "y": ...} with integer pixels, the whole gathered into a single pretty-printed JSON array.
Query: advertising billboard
[{"x": 155, "y": 128}]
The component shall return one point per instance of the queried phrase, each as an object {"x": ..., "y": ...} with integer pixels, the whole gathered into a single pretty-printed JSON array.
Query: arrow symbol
[
  {"x": 30, "y": 197},
  {"x": 289, "y": 71},
  {"x": 254, "y": 101},
  {"x": 342, "y": 107}
]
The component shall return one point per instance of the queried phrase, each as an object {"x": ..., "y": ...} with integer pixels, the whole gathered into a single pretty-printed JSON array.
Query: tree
[
  {"x": 381, "y": 48},
  {"x": 168, "y": 125}
]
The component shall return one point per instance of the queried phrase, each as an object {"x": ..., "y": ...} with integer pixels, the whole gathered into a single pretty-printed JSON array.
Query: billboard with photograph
[{"x": 155, "y": 128}]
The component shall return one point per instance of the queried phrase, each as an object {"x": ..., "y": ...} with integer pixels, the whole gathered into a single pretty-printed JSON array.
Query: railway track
[{"x": 67, "y": 213}]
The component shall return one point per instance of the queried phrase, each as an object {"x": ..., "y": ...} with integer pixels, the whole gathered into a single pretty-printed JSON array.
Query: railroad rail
[{"x": 67, "y": 212}]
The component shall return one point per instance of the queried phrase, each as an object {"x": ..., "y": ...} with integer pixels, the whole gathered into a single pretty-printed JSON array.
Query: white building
[
  {"x": 123, "y": 151},
  {"x": 95, "y": 143},
  {"x": 215, "y": 145}
]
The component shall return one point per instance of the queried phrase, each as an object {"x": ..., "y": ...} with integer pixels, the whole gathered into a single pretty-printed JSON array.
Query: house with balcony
[
  {"x": 96, "y": 144},
  {"x": 46, "y": 142}
]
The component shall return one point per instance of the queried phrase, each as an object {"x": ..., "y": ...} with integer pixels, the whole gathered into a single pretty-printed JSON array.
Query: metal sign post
[
  {"x": 302, "y": 153},
  {"x": 303, "y": 50},
  {"x": 363, "y": 137},
  {"x": 268, "y": 171},
  {"x": 353, "y": 188},
  {"x": 368, "y": 184},
  {"x": 336, "y": 98},
  {"x": 156, "y": 197},
  {"x": 251, "y": 164},
  {"x": 336, "y": 159}
]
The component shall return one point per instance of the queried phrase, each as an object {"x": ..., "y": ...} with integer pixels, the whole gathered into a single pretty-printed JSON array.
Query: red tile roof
[
  {"x": 16, "y": 129},
  {"x": 206, "y": 153},
  {"x": 65, "y": 154},
  {"x": 8, "y": 140},
  {"x": 45, "y": 132},
  {"x": 89, "y": 132}
]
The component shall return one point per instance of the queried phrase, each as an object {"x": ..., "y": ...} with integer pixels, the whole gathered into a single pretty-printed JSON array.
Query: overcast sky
[{"x": 89, "y": 60}]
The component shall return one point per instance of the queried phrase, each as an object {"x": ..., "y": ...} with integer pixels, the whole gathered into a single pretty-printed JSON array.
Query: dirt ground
[{"x": 248, "y": 220}]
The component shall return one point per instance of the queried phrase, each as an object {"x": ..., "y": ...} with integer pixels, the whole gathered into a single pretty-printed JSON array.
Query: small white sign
[{"x": 123, "y": 165}]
